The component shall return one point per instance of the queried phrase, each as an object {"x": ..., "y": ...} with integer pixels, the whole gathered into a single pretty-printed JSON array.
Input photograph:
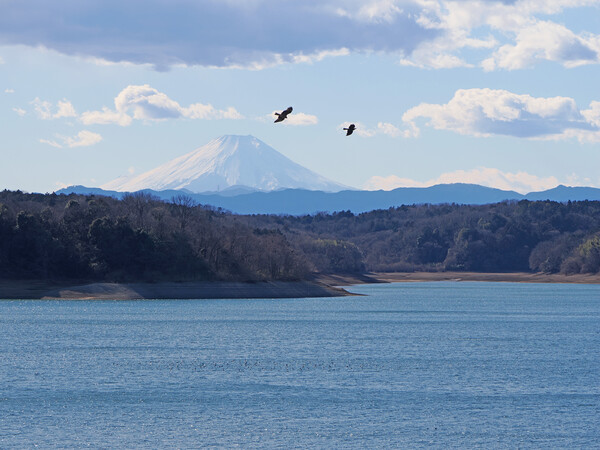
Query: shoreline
[
  {"x": 410, "y": 277},
  {"x": 322, "y": 285},
  {"x": 36, "y": 290}
]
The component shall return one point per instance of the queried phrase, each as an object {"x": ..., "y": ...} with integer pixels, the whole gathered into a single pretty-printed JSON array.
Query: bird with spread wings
[
  {"x": 350, "y": 129},
  {"x": 283, "y": 115}
]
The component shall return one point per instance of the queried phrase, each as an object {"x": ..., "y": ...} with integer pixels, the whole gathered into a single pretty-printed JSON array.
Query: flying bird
[
  {"x": 283, "y": 115},
  {"x": 350, "y": 129}
]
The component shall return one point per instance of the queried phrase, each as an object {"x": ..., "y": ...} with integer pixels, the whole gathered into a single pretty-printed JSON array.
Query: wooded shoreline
[
  {"x": 142, "y": 239},
  {"x": 510, "y": 277},
  {"x": 324, "y": 285}
]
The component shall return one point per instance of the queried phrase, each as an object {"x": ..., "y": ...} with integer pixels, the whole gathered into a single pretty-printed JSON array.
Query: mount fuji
[{"x": 227, "y": 162}]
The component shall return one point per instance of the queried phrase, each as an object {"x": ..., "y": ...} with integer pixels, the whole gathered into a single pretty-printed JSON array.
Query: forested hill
[
  {"x": 138, "y": 238},
  {"x": 539, "y": 236},
  {"x": 76, "y": 237}
]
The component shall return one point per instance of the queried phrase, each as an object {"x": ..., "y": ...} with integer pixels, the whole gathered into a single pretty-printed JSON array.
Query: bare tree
[
  {"x": 139, "y": 203},
  {"x": 182, "y": 208}
]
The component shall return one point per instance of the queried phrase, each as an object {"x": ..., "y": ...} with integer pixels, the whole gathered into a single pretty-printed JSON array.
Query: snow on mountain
[{"x": 227, "y": 161}]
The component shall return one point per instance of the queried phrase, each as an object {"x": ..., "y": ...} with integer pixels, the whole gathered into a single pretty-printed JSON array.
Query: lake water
[{"x": 410, "y": 365}]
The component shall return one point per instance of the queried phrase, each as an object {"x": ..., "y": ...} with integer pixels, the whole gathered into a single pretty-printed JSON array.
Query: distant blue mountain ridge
[{"x": 241, "y": 200}]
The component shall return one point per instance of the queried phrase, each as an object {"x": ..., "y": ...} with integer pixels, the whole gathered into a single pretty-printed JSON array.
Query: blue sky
[{"x": 499, "y": 93}]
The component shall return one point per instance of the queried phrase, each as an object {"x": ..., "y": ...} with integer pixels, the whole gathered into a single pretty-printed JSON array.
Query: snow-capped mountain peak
[{"x": 229, "y": 160}]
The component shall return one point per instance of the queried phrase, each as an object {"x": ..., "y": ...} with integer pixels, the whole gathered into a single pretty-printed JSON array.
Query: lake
[{"x": 441, "y": 364}]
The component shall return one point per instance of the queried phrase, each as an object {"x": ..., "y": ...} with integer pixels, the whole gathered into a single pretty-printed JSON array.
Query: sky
[{"x": 499, "y": 93}]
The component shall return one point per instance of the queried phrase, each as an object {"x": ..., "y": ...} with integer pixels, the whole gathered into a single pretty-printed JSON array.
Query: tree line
[
  {"x": 141, "y": 238},
  {"x": 537, "y": 236},
  {"x": 138, "y": 238}
]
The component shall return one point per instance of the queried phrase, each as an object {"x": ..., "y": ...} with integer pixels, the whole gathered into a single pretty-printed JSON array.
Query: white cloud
[
  {"x": 201, "y": 111},
  {"x": 294, "y": 119},
  {"x": 82, "y": 139},
  {"x": 105, "y": 117},
  {"x": 429, "y": 58},
  {"x": 51, "y": 143},
  {"x": 361, "y": 129},
  {"x": 61, "y": 185},
  {"x": 9, "y": 91},
  {"x": 509, "y": 15},
  {"x": 389, "y": 129},
  {"x": 301, "y": 119},
  {"x": 319, "y": 56},
  {"x": 592, "y": 115},
  {"x": 65, "y": 109},
  {"x": 439, "y": 53},
  {"x": 486, "y": 112},
  {"x": 46, "y": 111},
  {"x": 545, "y": 41},
  {"x": 21, "y": 112},
  {"x": 519, "y": 34},
  {"x": 42, "y": 108},
  {"x": 522, "y": 182},
  {"x": 575, "y": 180},
  {"x": 1, "y": 60},
  {"x": 256, "y": 34},
  {"x": 384, "y": 128},
  {"x": 372, "y": 11},
  {"x": 146, "y": 103}
]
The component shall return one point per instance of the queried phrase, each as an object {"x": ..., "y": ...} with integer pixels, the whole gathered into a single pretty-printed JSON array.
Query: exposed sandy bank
[
  {"x": 322, "y": 286},
  {"x": 397, "y": 277},
  {"x": 193, "y": 290}
]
